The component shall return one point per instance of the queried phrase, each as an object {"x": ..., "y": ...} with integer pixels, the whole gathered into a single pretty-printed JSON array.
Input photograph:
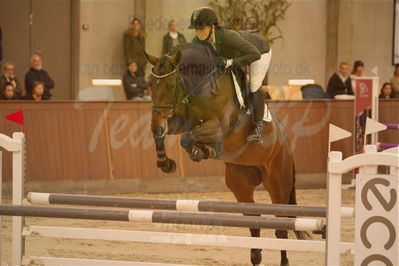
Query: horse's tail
[{"x": 292, "y": 200}]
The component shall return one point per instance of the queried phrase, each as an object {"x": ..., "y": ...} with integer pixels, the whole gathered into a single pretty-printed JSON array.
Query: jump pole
[
  {"x": 298, "y": 224},
  {"x": 183, "y": 205},
  {"x": 392, "y": 126}
]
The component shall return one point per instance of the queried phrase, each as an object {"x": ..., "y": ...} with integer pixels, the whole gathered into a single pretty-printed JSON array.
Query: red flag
[{"x": 17, "y": 117}]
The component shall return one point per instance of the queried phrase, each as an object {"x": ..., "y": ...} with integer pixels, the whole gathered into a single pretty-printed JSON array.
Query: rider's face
[{"x": 203, "y": 32}]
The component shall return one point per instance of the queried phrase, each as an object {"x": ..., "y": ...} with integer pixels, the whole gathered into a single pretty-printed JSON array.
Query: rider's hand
[{"x": 224, "y": 63}]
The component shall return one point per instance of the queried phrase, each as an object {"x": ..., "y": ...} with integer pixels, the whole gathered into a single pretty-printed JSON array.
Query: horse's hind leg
[
  {"x": 242, "y": 181},
  {"x": 280, "y": 183}
]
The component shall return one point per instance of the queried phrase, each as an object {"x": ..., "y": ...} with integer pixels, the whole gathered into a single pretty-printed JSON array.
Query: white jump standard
[{"x": 376, "y": 203}]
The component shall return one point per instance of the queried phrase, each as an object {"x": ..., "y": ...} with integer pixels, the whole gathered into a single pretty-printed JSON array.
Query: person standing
[
  {"x": 340, "y": 82},
  {"x": 357, "y": 72},
  {"x": 133, "y": 46},
  {"x": 9, "y": 77},
  {"x": 172, "y": 39},
  {"x": 37, "y": 74},
  {"x": 395, "y": 82}
]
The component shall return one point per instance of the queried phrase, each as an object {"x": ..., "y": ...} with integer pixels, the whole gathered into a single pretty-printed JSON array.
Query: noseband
[{"x": 173, "y": 105}]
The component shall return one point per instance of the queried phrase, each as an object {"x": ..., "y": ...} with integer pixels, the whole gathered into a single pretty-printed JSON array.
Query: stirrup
[{"x": 256, "y": 134}]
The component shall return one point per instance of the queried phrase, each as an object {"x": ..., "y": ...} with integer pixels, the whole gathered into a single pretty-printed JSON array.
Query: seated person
[
  {"x": 37, "y": 92},
  {"x": 8, "y": 92},
  {"x": 134, "y": 84},
  {"x": 340, "y": 82},
  {"x": 9, "y": 76},
  {"x": 313, "y": 91},
  {"x": 386, "y": 91},
  {"x": 35, "y": 74}
]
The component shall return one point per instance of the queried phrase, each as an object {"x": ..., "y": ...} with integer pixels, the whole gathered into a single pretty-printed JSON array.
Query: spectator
[
  {"x": 134, "y": 44},
  {"x": 386, "y": 91},
  {"x": 37, "y": 94},
  {"x": 357, "y": 71},
  {"x": 395, "y": 81},
  {"x": 134, "y": 84},
  {"x": 9, "y": 77},
  {"x": 172, "y": 39},
  {"x": 8, "y": 92},
  {"x": 36, "y": 74},
  {"x": 340, "y": 82},
  {"x": 313, "y": 91}
]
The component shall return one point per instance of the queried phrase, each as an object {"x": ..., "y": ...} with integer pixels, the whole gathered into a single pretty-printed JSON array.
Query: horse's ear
[{"x": 150, "y": 58}]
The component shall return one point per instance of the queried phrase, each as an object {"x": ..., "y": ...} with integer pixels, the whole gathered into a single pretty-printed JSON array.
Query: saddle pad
[
  {"x": 238, "y": 91},
  {"x": 267, "y": 117}
]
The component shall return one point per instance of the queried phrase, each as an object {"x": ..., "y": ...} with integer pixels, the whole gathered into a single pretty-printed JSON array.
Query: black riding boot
[{"x": 258, "y": 109}]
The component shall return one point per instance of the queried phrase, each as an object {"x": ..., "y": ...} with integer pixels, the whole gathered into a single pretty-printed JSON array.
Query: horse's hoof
[
  {"x": 170, "y": 167},
  {"x": 256, "y": 256},
  {"x": 196, "y": 154},
  {"x": 284, "y": 263}
]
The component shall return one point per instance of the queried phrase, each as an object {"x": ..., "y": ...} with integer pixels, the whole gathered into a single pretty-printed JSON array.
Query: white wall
[
  {"x": 101, "y": 46},
  {"x": 301, "y": 54},
  {"x": 365, "y": 32},
  {"x": 160, "y": 12}
]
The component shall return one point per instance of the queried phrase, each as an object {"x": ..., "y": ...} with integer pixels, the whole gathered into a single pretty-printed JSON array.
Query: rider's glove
[{"x": 224, "y": 63}]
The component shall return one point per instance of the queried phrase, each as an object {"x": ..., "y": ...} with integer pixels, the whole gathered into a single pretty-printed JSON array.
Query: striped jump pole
[
  {"x": 298, "y": 224},
  {"x": 385, "y": 146},
  {"x": 183, "y": 205},
  {"x": 392, "y": 126}
]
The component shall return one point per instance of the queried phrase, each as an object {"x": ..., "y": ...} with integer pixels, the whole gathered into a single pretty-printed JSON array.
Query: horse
[{"x": 192, "y": 97}]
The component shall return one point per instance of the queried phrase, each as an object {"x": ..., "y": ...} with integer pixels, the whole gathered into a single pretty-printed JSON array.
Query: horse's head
[{"x": 165, "y": 93}]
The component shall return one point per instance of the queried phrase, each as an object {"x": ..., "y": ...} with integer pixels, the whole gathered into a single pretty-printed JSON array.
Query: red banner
[
  {"x": 363, "y": 105},
  {"x": 363, "y": 95}
]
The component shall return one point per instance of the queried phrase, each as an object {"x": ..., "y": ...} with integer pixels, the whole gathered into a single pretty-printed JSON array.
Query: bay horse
[{"x": 191, "y": 96}]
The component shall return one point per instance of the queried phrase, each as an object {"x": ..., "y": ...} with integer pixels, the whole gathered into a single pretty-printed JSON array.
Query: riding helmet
[{"x": 203, "y": 16}]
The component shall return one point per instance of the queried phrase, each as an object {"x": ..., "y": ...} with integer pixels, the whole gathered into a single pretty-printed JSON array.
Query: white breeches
[{"x": 258, "y": 70}]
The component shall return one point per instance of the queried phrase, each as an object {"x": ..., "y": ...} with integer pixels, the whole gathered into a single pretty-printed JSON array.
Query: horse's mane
[{"x": 195, "y": 62}]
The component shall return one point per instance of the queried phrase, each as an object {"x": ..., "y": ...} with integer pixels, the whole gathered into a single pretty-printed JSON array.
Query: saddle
[
  {"x": 203, "y": 140},
  {"x": 203, "y": 85}
]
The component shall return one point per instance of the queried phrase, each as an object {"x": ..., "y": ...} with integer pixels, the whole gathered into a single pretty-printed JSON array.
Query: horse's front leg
[{"x": 167, "y": 165}]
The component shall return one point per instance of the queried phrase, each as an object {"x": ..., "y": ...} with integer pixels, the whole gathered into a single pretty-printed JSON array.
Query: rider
[{"x": 237, "y": 48}]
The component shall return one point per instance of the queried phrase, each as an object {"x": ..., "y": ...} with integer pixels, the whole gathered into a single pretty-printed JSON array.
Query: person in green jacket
[
  {"x": 173, "y": 39},
  {"x": 133, "y": 46},
  {"x": 237, "y": 48}
]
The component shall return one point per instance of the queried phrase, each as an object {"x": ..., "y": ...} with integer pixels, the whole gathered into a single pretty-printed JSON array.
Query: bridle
[{"x": 174, "y": 106}]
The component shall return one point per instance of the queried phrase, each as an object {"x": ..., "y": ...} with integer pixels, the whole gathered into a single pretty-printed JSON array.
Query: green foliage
[{"x": 263, "y": 15}]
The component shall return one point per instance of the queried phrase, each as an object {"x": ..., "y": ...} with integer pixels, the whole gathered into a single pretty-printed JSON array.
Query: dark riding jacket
[{"x": 243, "y": 47}]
